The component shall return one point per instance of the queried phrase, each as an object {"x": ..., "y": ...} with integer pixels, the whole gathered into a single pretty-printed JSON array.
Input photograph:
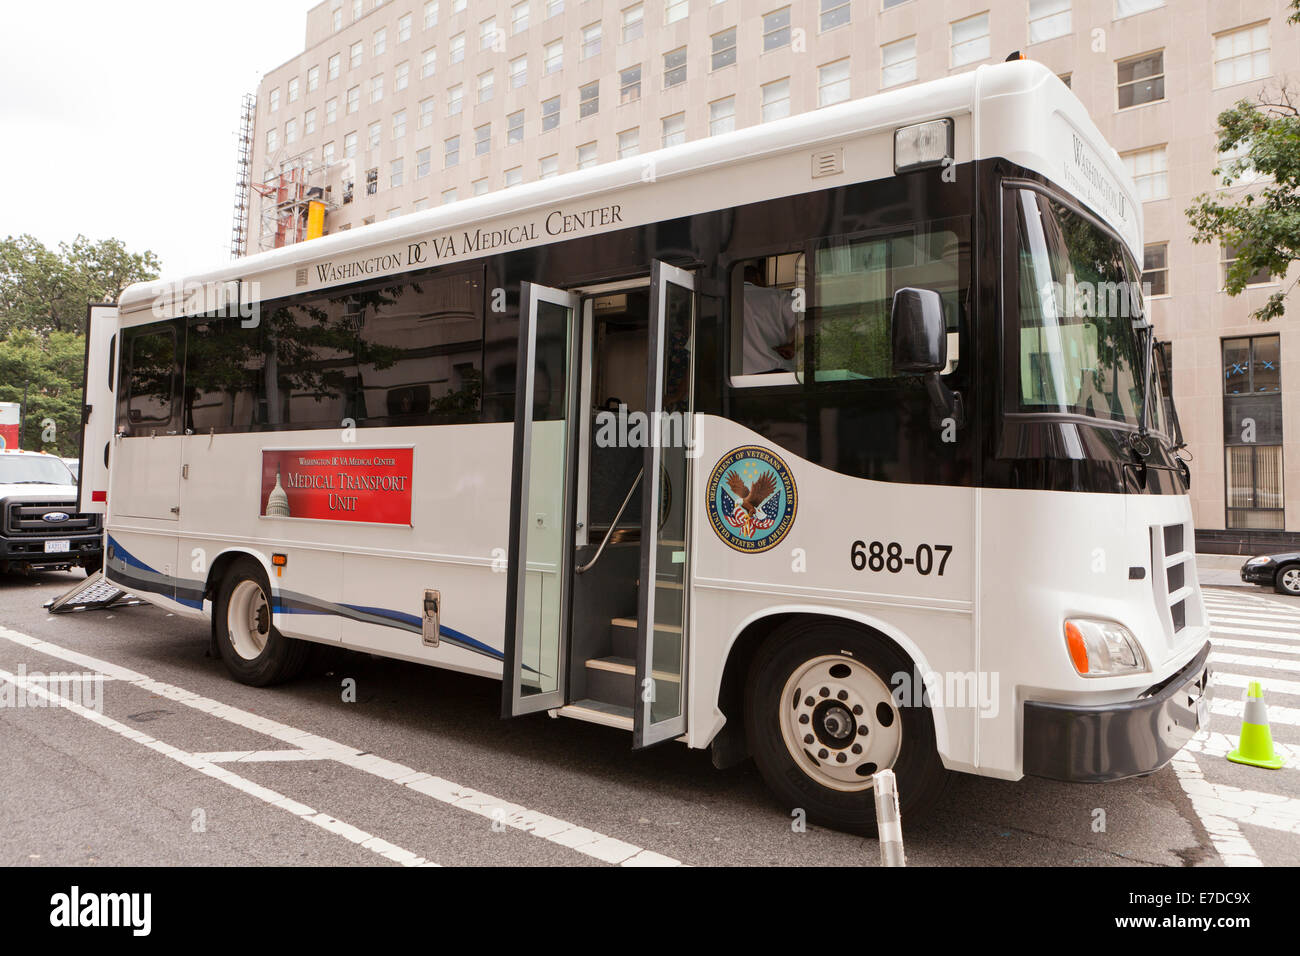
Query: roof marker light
[{"x": 923, "y": 144}]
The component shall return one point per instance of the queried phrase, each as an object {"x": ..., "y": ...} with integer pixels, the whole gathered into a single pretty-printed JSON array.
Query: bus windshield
[{"x": 1079, "y": 299}]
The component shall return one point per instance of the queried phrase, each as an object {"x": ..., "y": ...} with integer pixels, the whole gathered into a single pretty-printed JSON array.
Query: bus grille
[
  {"x": 1169, "y": 555},
  {"x": 27, "y": 519}
]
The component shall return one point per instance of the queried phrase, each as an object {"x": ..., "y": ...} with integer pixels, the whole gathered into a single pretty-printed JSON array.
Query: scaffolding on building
[
  {"x": 287, "y": 194},
  {"x": 243, "y": 177}
]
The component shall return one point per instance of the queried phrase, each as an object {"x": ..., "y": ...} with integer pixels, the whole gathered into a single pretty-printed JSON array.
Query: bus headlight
[{"x": 1102, "y": 648}]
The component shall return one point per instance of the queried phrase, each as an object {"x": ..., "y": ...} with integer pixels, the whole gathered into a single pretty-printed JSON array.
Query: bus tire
[
  {"x": 252, "y": 649},
  {"x": 820, "y": 719}
]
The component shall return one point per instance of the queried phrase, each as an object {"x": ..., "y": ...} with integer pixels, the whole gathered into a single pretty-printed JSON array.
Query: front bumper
[
  {"x": 1259, "y": 573},
  {"x": 31, "y": 551},
  {"x": 1095, "y": 743}
]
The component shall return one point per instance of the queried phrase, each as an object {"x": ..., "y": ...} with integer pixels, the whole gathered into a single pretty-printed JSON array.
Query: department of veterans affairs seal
[{"x": 751, "y": 499}]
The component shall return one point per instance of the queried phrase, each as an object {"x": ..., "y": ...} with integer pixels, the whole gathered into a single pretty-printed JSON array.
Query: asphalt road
[{"x": 184, "y": 766}]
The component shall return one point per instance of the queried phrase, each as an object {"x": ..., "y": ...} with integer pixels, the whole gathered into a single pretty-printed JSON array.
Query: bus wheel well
[
  {"x": 216, "y": 573},
  {"x": 730, "y": 746}
]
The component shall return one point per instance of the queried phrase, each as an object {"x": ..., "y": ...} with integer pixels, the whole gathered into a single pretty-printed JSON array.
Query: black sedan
[{"x": 1278, "y": 571}]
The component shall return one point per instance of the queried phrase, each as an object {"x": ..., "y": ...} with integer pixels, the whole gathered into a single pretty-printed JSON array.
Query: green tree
[
  {"x": 43, "y": 298},
  {"x": 47, "y": 290},
  {"x": 1261, "y": 225}
]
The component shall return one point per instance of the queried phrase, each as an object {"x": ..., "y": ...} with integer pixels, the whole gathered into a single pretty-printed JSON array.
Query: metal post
[
  {"x": 22, "y": 415},
  {"x": 889, "y": 823}
]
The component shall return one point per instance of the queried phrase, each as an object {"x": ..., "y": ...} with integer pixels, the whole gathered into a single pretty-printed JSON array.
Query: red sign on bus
[{"x": 355, "y": 484}]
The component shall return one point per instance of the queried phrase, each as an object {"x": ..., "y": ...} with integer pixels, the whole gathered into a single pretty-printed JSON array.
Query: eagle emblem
[
  {"x": 751, "y": 498},
  {"x": 746, "y": 515}
]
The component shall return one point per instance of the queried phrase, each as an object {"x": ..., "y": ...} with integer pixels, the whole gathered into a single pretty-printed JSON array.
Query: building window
[
  {"x": 633, "y": 23},
  {"x": 290, "y": 131},
  {"x": 332, "y": 67},
  {"x": 354, "y": 99},
  {"x": 404, "y": 28},
  {"x": 629, "y": 143},
  {"x": 449, "y": 196},
  {"x": 394, "y": 212},
  {"x": 722, "y": 116},
  {"x": 1155, "y": 269},
  {"x": 554, "y": 57},
  {"x": 1252, "y": 366},
  {"x": 372, "y": 183},
  {"x": 331, "y": 110},
  {"x": 586, "y": 155},
  {"x": 459, "y": 6},
  {"x": 834, "y": 13},
  {"x": 1235, "y": 167},
  {"x": 355, "y": 54},
  {"x": 350, "y": 145},
  {"x": 395, "y": 174},
  {"x": 309, "y": 122},
  {"x": 356, "y": 10},
  {"x": 381, "y": 42},
  {"x": 550, "y": 114},
  {"x": 425, "y": 119},
  {"x": 898, "y": 62},
  {"x": 431, "y": 14},
  {"x": 1141, "y": 79},
  {"x": 1066, "y": 78},
  {"x": 272, "y": 139},
  {"x": 1150, "y": 171},
  {"x": 970, "y": 40},
  {"x": 833, "y": 83},
  {"x": 375, "y": 132},
  {"x": 451, "y": 152},
  {"x": 673, "y": 129},
  {"x": 293, "y": 90},
  {"x": 629, "y": 85},
  {"x": 274, "y": 103},
  {"x": 401, "y": 76},
  {"x": 724, "y": 49},
  {"x": 327, "y": 153},
  {"x": 483, "y": 139},
  {"x": 1241, "y": 55},
  {"x": 1227, "y": 256},
  {"x": 421, "y": 204},
  {"x": 455, "y": 99},
  {"x": 892, "y": 3},
  {"x": 514, "y": 176},
  {"x": 376, "y": 88},
  {"x": 675, "y": 10},
  {"x": 1048, "y": 19},
  {"x": 776, "y": 29},
  {"x": 423, "y": 162},
  {"x": 515, "y": 128},
  {"x": 1253, "y": 487},
  {"x": 458, "y": 48},
  {"x": 487, "y": 33},
  {"x": 399, "y": 124},
  {"x": 486, "y": 86},
  {"x": 674, "y": 67},
  {"x": 519, "y": 17},
  {"x": 518, "y": 72},
  {"x": 548, "y": 166},
  {"x": 336, "y": 19},
  {"x": 588, "y": 99},
  {"x": 591, "y": 40},
  {"x": 479, "y": 186},
  {"x": 553, "y": 7},
  {"x": 1126, "y": 8},
  {"x": 313, "y": 79},
  {"x": 429, "y": 63},
  {"x": 776, "y": 100}
]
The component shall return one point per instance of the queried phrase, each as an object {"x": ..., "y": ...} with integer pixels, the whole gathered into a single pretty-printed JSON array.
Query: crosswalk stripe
[
  {"x": 1276, "y": 629},
  {"x": 1233, "y": 847},
  {"x": 1271, "y": 663},
  {"x": 1255, "y": 645},
  {"x": 1254, "y": 632},
  {"x": 1272, "y": 685},
  {"x": 1220, "y": 745},
  {"x": 1255, "y": 807},
  {"x": 1287, "y": 716},
  {"x": 1251, "y": 610}
]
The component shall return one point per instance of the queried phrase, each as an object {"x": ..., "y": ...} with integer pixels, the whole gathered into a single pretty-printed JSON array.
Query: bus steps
[{"x": 92, "y": 594}]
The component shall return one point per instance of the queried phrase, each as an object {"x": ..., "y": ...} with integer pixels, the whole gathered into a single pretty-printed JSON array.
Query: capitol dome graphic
[{"x": 277, "y": 502}]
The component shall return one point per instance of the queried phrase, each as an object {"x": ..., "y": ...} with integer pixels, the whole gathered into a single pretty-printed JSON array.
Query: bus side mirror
[
  {"x": 920, "y": 339},
  {"x": 920, "y": 342}
]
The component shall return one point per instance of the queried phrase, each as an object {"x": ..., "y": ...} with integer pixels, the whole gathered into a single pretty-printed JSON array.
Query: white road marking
[
  {"x": 1250, "y": 660},
  {"x": 1270, "y": 810},
  {"x": 1233, "y": 847},
  {"x": 579, "y": 839},
  {"x": 258, "y": 756},
  {"x": 208, "y": 768},
  {"x": 1220, "y": 745},
  {"x": 1271, "y": 684},
  {"x": 1276, "y": 715},
  {"x": 1255, "y": 645},
  {"x": 1259, "y": 626}
]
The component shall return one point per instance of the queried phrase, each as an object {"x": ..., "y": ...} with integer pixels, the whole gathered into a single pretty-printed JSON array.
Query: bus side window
[
  {"x": 767, "y": 296},
  {"x": 151, "y": 385}
]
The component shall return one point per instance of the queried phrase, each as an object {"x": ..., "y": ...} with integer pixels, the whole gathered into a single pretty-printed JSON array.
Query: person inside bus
[{"x": 768, "y": 338}]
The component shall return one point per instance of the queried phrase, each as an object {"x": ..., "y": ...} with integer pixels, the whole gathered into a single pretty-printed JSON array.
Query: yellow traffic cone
[{"x": 1256, "y": 746}]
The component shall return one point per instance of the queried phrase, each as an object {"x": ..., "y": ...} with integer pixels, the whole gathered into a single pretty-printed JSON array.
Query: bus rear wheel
[
  {"x": 821, "y": 719},
  {"x": 253, "y": 651}
]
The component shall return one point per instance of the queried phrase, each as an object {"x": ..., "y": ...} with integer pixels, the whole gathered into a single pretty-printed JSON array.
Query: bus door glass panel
[
  {"x": 146, "y": 483},
  {"x": 660, "y": 701},
  {"x": 541, "y": 548}
]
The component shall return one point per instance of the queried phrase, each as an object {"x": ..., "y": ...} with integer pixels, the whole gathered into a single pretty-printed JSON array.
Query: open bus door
[
  {"x": 98, "y": 409},
  {"x": 660, "y": 709},
  {"x": 542, "y": 502}
]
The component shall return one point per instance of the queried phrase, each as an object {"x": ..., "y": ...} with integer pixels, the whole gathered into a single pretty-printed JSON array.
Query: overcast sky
[{"x": 118, "y": 118}]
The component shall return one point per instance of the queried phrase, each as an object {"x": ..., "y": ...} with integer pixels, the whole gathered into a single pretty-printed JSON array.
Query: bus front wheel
[
  {"x": 821, "y": 719},
  {"x": 253, "y": 651}
]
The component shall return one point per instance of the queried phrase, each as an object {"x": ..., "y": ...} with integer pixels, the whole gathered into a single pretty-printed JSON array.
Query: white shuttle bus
[{"x": 839, "y": 442}]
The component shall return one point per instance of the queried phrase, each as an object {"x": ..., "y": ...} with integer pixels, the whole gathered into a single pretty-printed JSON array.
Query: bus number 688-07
[{"x": 881, "y": 556}]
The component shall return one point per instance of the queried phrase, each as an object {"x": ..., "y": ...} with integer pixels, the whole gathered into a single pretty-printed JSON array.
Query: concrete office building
[{"x": 400, "y": 105}]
